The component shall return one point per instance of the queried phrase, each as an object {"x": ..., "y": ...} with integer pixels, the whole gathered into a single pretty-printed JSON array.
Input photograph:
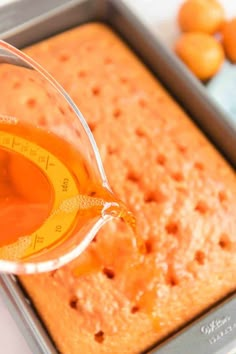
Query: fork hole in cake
[
  {"x": 142, "y": 102},
  {"x": 182, "y": 149},
  {"x": 172, "y": 228},
  {"x": 200, "y": 257},
  {"x": 172, "y": 280},
  {"x": 96, "y": 90},
  {"x": 134, "y": 309},
  {"x": 148, "y": 246},
  {"x": 140, "y": 132},
  {"x": 94, "y": 239},
  {"x": 156, "y": 196},
  {"x": 199, "y": 166},
  {"x": 16, "y": 85},
  {"x": 177, "y": 176},
  {"x": 42, "y": 121},
  {"x": 82, "y": 73},
  {"x": 225, "y": 243},
  {"x": 161, "y": 159},
  {"x": 112, "y": 150},
  {"x": 92, "y": 193},
  {"x": 77, "y": 132},
  {"x": 63, "y": 57},
  {"x": 133, "y": 177},
  {"x": 31, "y": 102},
  {"x": 222, "y": 196},
  {"x": 108, "y": 61},
  {"x": 108, "y": 272},
  {"x": 124, "y": 80},
  {"x": 117, "y": 113},
  {"x": 62, "y": 110},
  {"x": 53, "y": 273},
  {"x": 92, "y": 126},
  {"x": 50, "y": 95},
  {"x": 201, "y": 207},
  {"x": 99, "y": 336},
  {"x": 74, "y": 301}
]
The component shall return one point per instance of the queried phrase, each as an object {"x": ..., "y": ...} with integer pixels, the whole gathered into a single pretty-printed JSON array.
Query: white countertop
[{"x": 160, "y": 16}]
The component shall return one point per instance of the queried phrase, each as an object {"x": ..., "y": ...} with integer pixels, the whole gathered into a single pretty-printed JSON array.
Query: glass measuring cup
[{"x": 53, "y": 188}]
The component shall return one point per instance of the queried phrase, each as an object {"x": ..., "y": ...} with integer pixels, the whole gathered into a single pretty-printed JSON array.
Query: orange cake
[{"x": 183, "y": 193}]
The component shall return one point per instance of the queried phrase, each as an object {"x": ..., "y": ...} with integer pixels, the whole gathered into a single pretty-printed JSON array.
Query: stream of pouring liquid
[{"x": 47, "y": 192}]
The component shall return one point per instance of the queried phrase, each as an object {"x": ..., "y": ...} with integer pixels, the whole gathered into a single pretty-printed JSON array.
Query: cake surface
[{"x": 179, "y": 187}]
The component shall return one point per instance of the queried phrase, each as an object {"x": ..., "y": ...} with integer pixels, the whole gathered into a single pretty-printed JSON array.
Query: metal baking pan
[{"x": 22, "y": 24}]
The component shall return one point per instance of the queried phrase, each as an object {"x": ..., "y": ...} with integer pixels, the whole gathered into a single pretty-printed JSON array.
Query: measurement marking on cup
[
  {"x": 58, "y": 228},
  {"x": 35, "y": 241},
  {"x": 13, "y": 142},
  {"x": 33, "y": 152},
  {"x": 47, "y": 162}
]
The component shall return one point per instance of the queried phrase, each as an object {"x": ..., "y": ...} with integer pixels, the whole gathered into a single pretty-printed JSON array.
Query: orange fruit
[
  {"x": 229, "y": 39},
  {"x": 201, "y": 53},
  {"x": 201, "y": 15}
]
